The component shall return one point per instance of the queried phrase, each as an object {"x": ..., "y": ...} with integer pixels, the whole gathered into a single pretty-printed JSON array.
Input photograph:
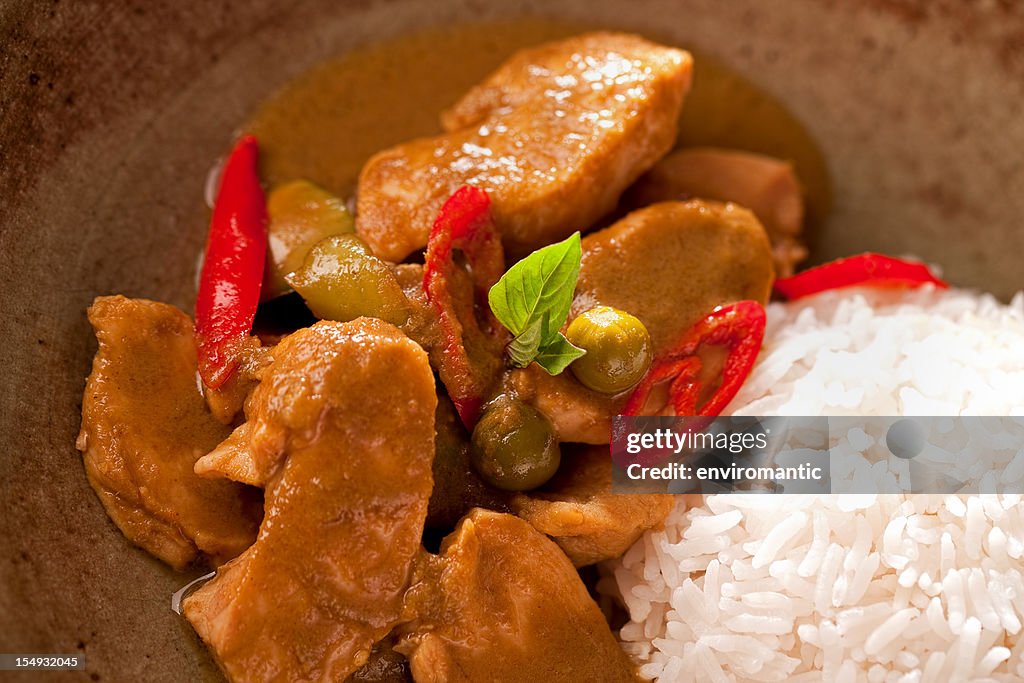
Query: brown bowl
[{"x": 112, "y": 113}]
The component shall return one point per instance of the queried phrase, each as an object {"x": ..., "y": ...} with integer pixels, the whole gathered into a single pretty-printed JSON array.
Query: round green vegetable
[
  {"x": 341, "y": 280},
  {"x": 301, "y": 214},
  {"x": 618, "y": 349},
  {"x": 514, "y": 446}
]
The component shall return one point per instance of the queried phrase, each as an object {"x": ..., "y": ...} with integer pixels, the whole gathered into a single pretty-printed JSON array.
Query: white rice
[{"x": 894, "y": 588}]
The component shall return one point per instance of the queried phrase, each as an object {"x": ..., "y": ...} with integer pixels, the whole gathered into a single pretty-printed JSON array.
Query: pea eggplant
[
  {"x": 618, "y": 349},
  {"x": 515, "y": 447}
]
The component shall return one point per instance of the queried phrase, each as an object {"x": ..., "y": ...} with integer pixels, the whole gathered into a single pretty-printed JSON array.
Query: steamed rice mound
[{"x": 907, "y": 588}]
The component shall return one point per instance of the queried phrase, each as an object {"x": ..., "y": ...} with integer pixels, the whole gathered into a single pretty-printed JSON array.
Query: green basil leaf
[
  {"x": 523, "y": 349},
  {"x": 540, "y": 287},
  {"x": 556, "y": 355}
]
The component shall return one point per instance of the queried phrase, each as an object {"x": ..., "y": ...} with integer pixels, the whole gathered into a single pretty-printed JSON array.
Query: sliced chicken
[
  {"x": 579, "y": 414},
  {"x": 342, "y": 437},
  {"x": 579, "y": 511},
  {"x": 502, "y": 603},
  {"x": 554, "y": 135},
  {"x": 144, "y": 425},
  {"x": 232, "y": 459},
  {"x": 767, "y": 186},
  {"x": 668, "y": 264}
]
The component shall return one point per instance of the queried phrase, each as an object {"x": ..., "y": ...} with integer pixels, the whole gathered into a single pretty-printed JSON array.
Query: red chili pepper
[
  {"x": 739, "y": 328},
  {"x": 229, "y": 284},
  {"x": 470, "y": 360},
  {"x": 875, "y": 270}
]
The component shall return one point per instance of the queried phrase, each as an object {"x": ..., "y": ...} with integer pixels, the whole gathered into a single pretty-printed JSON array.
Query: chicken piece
[
  {"x": 342, "y": 437},
  {"x": 767, "y": 186},
  {"x": 554, "y": 135},
  {"x": 232, "y": 459},
  {"x": 668, "y": 264},
  {"x": 503, "y": 604},
  {"x": 579, "y": 414},
  {"x": 579, "y": 511},
  {"x": 144, "y": 424}
]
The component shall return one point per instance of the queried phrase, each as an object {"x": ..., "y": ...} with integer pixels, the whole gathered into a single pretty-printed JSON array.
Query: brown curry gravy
[{"x": 324, "y": 125}]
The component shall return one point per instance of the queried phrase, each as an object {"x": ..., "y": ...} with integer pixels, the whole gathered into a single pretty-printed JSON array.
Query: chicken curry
[{"x": 405, "y": 485}]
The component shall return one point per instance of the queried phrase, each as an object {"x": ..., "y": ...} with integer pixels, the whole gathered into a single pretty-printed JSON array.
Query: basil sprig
[{"x": 532, "y": 300}]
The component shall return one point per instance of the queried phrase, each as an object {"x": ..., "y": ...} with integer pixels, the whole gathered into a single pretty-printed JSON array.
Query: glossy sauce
[{"x": 325, "y": 125}]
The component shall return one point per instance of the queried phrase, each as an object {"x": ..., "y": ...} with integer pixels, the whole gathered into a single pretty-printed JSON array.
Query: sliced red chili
[
  {"x": 469, "y": 363},
  {"x": 869, "y": 269},
  {"x": 739, "y": 329},
  {"x": 229, "y": 283}
]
